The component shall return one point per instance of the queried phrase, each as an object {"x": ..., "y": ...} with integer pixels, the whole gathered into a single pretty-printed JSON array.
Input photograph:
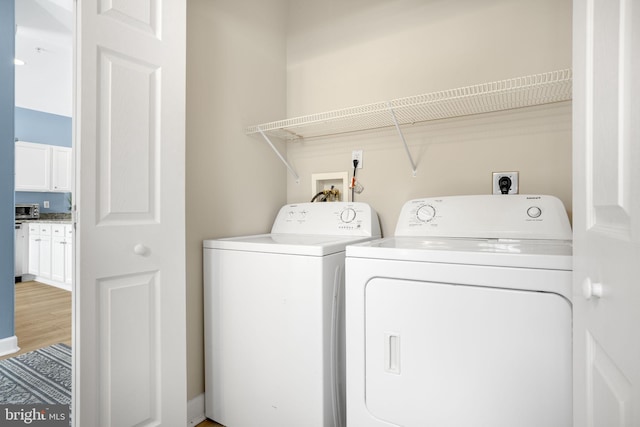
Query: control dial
[
  {"x": 347, "y": 215},
  {"x": 534, "y": 212},
  {"x": 426, "y": 213}
]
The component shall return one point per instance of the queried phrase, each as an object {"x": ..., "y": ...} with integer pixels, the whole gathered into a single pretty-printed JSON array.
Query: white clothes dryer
[
  {"x": 274, "y": 318},
  {"x": 463, "y": 318}
]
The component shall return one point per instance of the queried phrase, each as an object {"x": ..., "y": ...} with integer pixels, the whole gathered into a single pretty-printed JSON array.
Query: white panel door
[
  {"x": 130, "y": 335},
  {"x": 606, "y": 97}
]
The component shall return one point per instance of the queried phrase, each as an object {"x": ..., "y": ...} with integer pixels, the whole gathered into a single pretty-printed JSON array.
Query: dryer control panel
[
  {"x": 517, "y": 216},
  {"x": 332, "y": 218}
]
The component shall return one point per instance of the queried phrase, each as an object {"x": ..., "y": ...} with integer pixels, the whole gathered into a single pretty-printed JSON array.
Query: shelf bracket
[
  {"x": 406, "y": 147},
  {"x": 275, "y": 150}
]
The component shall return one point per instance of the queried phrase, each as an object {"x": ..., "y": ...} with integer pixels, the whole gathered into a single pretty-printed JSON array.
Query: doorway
[{"x": 43, "y": 125}]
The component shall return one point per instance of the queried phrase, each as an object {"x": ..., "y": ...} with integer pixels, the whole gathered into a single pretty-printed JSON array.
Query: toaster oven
[{"x": 27, "y": 211}]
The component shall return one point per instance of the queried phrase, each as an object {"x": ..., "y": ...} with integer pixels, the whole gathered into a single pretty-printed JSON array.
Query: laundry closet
[{"x": 261, "y": 62}]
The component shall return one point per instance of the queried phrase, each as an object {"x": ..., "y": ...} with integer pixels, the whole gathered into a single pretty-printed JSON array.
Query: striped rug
[{"x": 40, "y": 376}]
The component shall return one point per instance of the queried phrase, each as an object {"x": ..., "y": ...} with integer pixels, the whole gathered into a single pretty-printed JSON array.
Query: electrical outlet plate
[
  {"x": 513, "y": 176},
  {"x": 357, "y": 155}
]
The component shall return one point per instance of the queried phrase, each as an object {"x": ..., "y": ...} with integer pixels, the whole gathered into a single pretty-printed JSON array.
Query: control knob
[
  {"x": 347, "y": 215},
  {"x": 534, "y": 212},
  {"x": 426, "y": 213}
]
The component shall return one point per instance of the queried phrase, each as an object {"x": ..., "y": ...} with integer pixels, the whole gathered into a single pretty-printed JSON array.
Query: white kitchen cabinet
[
  {"x": 21, "y": 247},
  {"x": 58, "y": 252},
  {"x": 33, "y": 166},
  {"x": 50, "y": 253},
  {"x": 43, "y": 167},
  {"x": 61, "y": 169},
  {"x": 68, "y": 254},
  {"x": 40, "y": 250},
  {"x": 61, "y": 253},
  {"x": 33, "y": 261}
]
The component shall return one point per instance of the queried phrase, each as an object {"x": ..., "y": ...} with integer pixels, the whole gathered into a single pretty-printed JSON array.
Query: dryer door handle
[{"x": 392, "y": 352}]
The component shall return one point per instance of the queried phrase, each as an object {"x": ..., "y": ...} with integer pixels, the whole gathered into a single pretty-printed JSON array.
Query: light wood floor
[{"x": 42, "y": 316}]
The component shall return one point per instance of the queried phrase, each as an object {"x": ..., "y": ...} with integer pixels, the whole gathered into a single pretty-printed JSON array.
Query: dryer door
[{"x": 455, "y": 355}]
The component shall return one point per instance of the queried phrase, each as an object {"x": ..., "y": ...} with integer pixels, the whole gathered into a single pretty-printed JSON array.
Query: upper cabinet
[
  {"x": 42, "y": 167},
  {"x": 61, "y": 169},
  {"x": 33, "y": 166}
]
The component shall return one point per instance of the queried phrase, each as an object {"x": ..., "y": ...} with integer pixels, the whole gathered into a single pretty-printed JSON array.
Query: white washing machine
[
  {"x": 463, "y": 318},
  {"x": 274, "y": 318}
]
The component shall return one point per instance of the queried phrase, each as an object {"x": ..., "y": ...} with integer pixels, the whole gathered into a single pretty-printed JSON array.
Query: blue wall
[
  {"x": 43, "y": 128},
  {"x": 7, "y": 97},
  {"x": 57, "y": 201}
]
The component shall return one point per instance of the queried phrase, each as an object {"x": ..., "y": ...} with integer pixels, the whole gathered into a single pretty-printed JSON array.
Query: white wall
[
  {"x": 235, "y": 185},
  {"x": 345, "y": 53},
  {"x": 44, "y": 41}
]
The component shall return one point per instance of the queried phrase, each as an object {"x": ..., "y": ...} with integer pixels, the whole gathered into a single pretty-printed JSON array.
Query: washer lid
[
  {"x": 525, "y": 253},
  {"x": 292, "y": 244}
]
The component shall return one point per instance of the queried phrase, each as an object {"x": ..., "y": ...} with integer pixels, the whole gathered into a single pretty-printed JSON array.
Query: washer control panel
[
  {"x": 330, "y": 218},
  {"x": 486, "y": 216}
]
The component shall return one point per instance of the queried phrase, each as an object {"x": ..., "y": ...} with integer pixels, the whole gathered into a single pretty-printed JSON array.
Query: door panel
[
  {"x": 610, "y": 388},
  {"x": 130, "y": 273},
  {"x": 129, "y": 331},
  {"x": 610, "y": 141},
  {"x": 606, "y": 212},
  {"x": 127, "y": 157},
  {"x": 140, "y": 14}
]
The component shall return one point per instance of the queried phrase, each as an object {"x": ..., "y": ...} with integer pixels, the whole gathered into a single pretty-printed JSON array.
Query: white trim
[
  {"x": 10, "y": 345},
  {"x": 195, "y": 410}
]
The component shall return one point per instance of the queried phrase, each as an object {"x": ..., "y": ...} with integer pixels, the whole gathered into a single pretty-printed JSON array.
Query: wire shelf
[{"x": 537, "y": 89}]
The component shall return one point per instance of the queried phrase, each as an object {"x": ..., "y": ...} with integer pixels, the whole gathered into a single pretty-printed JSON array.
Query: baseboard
[
  {"x": 10, "y": 345},
  {"x": 61, "y": 285},
  {"x": 195, "y": 410}
]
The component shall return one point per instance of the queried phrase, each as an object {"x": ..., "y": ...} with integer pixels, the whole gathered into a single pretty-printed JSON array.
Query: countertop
[
  {"x": 51, "y": 218},
  {"x": 44, "y": 221}
]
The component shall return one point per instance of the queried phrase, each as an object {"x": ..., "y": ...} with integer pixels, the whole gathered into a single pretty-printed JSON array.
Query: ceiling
[{"x": 44, "y": 41}]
